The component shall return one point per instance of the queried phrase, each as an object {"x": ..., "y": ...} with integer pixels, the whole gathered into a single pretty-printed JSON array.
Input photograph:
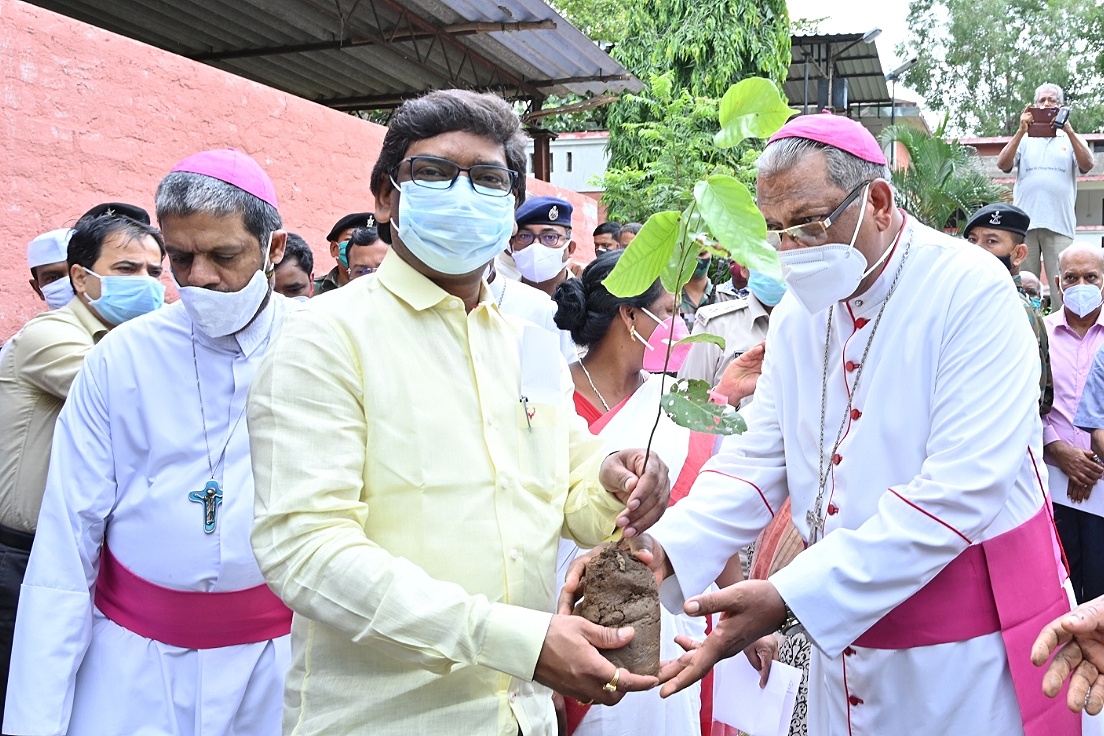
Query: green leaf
[
  {"x": 703, "y": 337},
  {"x": 645, "y": 258},
  {"x": 727, "y": 207},
  {"x": 672, "y": 277},
  {"x": 751, "y": 108},
  {"x": 680, "y": 267},
  {"x": 689, "y": 405}
]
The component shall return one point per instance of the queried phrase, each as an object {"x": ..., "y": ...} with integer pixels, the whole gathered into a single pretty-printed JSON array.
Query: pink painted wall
[{"x": 87, "y": 116}]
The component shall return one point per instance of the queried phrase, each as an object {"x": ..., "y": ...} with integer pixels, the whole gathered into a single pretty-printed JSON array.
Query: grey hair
[
  {"x": 1053, "y": 86},
  {"x": 182, "y": 193},
  {"x": 845, "y": 170},
  {"x": 1093, "y": 250}
]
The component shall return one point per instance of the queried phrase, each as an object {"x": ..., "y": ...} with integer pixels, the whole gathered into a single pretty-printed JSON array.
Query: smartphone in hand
[
  {"x": 1042, "y": 122},
  {"x": 1062, "y": 117}
]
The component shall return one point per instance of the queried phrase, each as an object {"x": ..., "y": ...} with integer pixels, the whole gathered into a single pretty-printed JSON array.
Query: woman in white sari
[{"x": 620, "y": 401}]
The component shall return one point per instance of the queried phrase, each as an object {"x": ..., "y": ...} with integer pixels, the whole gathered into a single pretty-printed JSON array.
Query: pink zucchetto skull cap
[
  {"x": 836, "y": 131},
  {"x": 234, "y": 168}
]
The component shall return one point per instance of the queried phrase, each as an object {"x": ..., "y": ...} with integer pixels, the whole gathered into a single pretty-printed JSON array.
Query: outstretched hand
[
  {"x": 749, "y": 610},
  {"x": 741, "y": 375},
  {"x": 1079, "y": 638}
]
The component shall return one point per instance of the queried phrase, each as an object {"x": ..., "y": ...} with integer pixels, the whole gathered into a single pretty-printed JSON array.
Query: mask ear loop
[
  {"x": 862, "y": 214},
  {"x": 268, "y": 272},
  {"x": 99, "y": 278},
  {"x": 636, "y": 335}
]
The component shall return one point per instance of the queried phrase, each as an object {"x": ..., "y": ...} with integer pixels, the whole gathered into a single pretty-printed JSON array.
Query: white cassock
[
  {"x": 128, "y": 448},
  {"x": 945, "y": 450}
]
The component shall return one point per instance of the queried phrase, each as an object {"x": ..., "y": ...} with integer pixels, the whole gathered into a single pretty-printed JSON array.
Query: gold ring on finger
[{"x": 611, "y": 686}]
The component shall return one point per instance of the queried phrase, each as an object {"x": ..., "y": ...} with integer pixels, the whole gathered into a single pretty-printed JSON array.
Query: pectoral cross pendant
[
  {"x": 210, "y": 497},
  {"x": 814, "y": 526}
]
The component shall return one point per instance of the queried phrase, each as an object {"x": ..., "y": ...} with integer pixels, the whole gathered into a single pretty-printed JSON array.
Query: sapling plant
[{"x": 722, "y": 219}]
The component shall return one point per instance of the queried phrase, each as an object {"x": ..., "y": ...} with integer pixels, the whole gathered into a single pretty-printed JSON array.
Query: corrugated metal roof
[
  {"x": 850, "y": 58},
  {"x": 359, "y": 54}
]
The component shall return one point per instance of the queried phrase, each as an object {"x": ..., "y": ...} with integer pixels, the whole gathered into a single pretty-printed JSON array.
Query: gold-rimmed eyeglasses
[{"x": 814, "y": 233}]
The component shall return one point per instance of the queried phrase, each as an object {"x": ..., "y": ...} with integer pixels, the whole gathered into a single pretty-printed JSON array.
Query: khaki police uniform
[{"x": 743, "y": 325}]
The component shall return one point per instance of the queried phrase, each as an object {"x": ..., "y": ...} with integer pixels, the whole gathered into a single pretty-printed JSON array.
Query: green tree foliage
[
  {"x": 980, "y": 61},
  {"x": 604, "y": 21},
  {"x": 705, "y": 47},
  {"x": 721, "y": 217},
  {"x": 942, "y": 183},
  {"x": 676, "y": 149}
]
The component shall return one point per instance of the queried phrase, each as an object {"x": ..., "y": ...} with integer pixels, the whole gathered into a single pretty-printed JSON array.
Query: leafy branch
[{"x": 722, "y": 217}]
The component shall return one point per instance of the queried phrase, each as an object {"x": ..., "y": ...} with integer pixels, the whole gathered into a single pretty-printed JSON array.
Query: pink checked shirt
[{"x": 1071, "y": 357}]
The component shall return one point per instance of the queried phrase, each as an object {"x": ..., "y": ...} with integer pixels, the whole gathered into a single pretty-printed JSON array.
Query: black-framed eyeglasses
[
  {"x": 549, "y": 240},
  {"x": 440, "y": 173},
  {"x": 815, "y": 233},
  {"x": 358, "y": 271}
]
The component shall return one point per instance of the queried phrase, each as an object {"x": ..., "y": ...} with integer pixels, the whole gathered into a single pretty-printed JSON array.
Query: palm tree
[{"x": 942, "y": 183}]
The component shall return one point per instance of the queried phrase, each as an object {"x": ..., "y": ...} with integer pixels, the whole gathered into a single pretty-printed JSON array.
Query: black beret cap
[
  {"x": 348, "y": 222},
  {"x": 121, "y": 209},
  {"x": 999, "y": 216}
]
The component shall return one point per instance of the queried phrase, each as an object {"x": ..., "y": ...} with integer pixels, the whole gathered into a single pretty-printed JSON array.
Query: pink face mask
[{"x": 667, "y": 331}]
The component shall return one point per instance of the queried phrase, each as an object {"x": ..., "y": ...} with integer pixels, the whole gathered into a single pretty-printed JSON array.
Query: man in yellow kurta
[{"x": 417, "y": 456}]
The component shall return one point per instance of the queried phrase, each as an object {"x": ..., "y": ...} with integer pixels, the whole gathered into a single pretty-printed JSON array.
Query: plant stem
[{"x": 684, "y": 223}]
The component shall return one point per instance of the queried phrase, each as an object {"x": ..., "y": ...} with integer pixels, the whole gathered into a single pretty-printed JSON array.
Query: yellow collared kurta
[{"x": 408, "y": 510}]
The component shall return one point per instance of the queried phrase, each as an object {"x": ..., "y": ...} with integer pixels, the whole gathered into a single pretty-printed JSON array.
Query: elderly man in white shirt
[
  {"x": 1046, "y": 181},
  {"x": 143, "y": 609}
]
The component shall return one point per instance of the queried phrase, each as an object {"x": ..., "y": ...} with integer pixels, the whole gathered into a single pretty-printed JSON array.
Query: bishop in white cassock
[
  {"x": 143, "y": 610},
  {"x": 898, "y": 411}
]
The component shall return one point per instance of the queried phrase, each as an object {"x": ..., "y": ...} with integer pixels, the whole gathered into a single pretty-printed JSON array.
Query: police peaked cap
[{"x": 544, "y": 211}]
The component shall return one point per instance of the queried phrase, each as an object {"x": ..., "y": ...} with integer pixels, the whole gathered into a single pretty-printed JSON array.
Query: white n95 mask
[{"x": 821, "y": 275}]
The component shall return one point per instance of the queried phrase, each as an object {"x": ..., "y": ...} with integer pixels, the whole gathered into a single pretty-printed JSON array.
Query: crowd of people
[{"x": 335, "y": 504}]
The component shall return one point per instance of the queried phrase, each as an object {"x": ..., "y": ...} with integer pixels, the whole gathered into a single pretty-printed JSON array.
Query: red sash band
[
  {"x": 1008, "y": 584},
  {"x": 956, "y": 605},
  {"x": 186, "y": 618}
]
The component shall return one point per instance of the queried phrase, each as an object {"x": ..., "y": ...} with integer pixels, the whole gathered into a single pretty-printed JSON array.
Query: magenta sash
[
  {"x": 187, "y": 618},
  {"x": 1008, "y": 584}
]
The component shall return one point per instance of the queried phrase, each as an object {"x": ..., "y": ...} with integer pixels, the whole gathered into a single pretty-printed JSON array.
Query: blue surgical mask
[
  {"x": 1036, "y": 302},
  {"x": 123, "y": 298},
  {"x": 454, "y": 230},
  {"x": 343, "y": 253},
  {"x": 767, "y": 290}
]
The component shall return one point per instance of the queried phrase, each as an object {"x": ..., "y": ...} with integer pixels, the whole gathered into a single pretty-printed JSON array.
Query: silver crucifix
[
  {"x": 210, "y": 497},
  {"x": 814, "y": 526}
]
